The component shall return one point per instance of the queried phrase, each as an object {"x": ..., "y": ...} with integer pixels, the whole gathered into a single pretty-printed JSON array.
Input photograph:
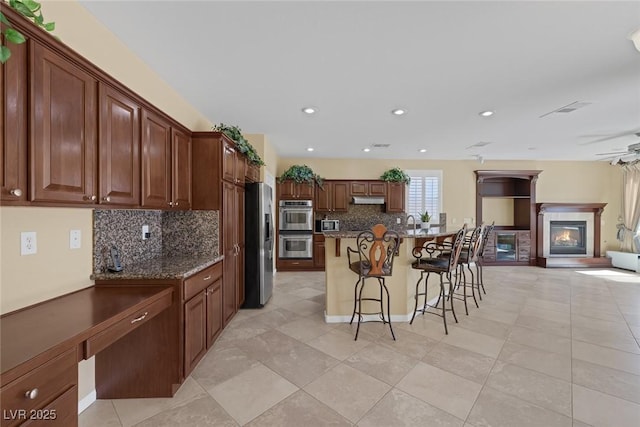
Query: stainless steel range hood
[{"x": 362, "y": 200}]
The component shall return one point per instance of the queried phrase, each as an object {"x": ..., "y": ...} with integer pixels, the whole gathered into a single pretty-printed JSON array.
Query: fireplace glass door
[{"x": 568, "y": 238}]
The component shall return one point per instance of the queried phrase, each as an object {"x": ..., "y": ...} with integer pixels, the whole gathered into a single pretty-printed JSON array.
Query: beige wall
[
  {"x": 77, "y": 28},
  {"x": 596, "y": 182},
  {"x": 266, "y": 152}
]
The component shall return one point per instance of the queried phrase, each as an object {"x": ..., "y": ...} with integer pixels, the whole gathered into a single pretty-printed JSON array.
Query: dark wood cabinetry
[
  {"x": 218, "y": 183},
  {"x": 395, "y": 197},
  {"x": 64, "y": 122},
  {"x": 119, "y": 154},
  {"x": 332, "y": 197},
  {"x": 509, "y": 243},
  {"x": 166, "y": 164},
  {"x": 13, "y": 124},
  {"x": 367, "y": 188},
  {"x": 318, "y": 251},
  {"x": 288, "y": 190},
  {"x": 202, "y": 314}
]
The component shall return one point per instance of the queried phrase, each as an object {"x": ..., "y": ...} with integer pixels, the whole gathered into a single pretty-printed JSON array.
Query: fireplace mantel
[{"x": 542, "y": 209}]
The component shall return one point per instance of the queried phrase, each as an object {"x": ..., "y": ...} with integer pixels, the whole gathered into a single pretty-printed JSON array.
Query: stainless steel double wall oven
[{"x": 296, "y": 229}]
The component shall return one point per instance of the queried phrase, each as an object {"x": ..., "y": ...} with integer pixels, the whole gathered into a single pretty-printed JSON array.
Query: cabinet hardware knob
[
  {"x": 107, "y": 199},
  {"x": 139, "y": 318},
  {"x": 31, "y": 394},
  {"x": 89, "y": 198},
  {"x": 16, "y": 192},
  {"x": 94, "y": 198},
  {"x": 170, "y": 203},
  {"x": 175, "y": 204},
  {"x": 207, "y": 278}
]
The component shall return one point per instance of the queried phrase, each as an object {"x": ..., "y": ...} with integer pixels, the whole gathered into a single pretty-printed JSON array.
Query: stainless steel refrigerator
[{"x": 259, "y": 245}]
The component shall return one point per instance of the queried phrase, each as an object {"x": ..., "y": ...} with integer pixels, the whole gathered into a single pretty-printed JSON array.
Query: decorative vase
[{"x": 426, "y": 225}]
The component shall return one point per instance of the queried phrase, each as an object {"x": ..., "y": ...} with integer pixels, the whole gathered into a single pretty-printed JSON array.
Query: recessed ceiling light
[
  {"x": 423, "y": 150},
  {"x": 366, "y": 150},
  {"x": 310, "y": 149},
  {"x": 486, "y": 113},
  {"x": 398, "y": 111},
  {"x": 309, "y": 110}
]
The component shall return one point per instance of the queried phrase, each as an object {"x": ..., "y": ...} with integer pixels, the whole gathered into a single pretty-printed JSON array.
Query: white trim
[
  {"x": 86, "y": 401},
  {"x": 372, "y": 317}
]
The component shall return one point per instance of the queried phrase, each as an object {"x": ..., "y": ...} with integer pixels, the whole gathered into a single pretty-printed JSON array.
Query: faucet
[{"x": 413, "y": 219}]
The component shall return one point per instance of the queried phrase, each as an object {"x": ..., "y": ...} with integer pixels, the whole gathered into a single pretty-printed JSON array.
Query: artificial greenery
[
  {"x": 425, "y": 217},
  {"x": 29, "y": 9},
  {"x": 241, "y": 143},
  {"x": 395, "y": 175},
  {"x": 300, "y": 174}
]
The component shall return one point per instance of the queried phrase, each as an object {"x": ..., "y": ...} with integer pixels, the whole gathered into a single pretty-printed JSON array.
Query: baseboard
[
  {"x": 372, "y": 317},
  {"x": 86, "y": 401}
]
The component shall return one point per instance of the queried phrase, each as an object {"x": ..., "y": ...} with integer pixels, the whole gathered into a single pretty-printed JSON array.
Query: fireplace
[{"x": 568, "y": 237}]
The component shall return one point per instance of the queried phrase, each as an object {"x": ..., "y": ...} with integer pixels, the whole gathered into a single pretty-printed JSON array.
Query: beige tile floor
[{"x": 547, "y": 347}]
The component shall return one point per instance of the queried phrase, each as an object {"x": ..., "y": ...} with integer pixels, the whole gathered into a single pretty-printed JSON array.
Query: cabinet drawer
[
  {"x": 46, "y": 383},
  {"x": 201, "y": 280},
  {"x": 105, "y": 338},
  {"x": 62, "y": 412}
]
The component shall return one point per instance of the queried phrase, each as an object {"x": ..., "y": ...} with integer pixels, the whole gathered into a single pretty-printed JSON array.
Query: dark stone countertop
[
  {"x": 167, "y": 268},
  {"x": 432, "y": 232}
]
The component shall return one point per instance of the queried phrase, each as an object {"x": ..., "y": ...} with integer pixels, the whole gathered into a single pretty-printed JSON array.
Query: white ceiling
[{"x": 256, "y": 64}]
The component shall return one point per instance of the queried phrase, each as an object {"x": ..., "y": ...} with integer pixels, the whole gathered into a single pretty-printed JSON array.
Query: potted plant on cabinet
[
  {"x": 243, "y": 146},
  {"x": 301, "y": 174},
  {"x": 426, "y": 220},
  {"x": 395, "y": 175}
]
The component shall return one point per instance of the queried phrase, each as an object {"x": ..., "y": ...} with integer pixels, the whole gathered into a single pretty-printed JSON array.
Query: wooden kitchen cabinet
[
  {"x": 213, "y": 295},
  {"x": 367, "y": 188},
  {"x": 119, "y": 155},
  {"x": 63, "y": 146},
  {"x": 13, "y": 124},
  {"x": 195, "y": 331},
  {"x": 395, "y": 197},
  {"x": 318, "y": 251},
  {"x": 332, "y": 197},
  {"x": 288, "y": 190},
  {"x": 251, "y": 171},
  {"x": 166, "y": 164}
]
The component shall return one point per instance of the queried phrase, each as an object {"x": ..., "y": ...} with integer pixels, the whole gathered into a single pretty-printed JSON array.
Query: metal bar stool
[
  {"x": 376, "y": 250},
  {"x": 485, "y": 236},
  {"x": 468, "y": 256},
  {"x": 441, "y": 259}
]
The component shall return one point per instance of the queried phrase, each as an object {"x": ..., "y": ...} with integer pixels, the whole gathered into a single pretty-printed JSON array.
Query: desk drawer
[
  {"x": 199, "y": 281},
  {"x": 105, "y": 338},
  {"x": 46, "y": 383},
  {"x": 62, "y": 412}
]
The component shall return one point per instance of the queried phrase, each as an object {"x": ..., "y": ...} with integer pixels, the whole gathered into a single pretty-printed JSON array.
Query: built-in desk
[{"x": 42, "y": 344}]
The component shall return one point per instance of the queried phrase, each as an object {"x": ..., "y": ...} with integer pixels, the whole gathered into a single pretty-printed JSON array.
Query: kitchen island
[{"x": 340, "y": 281}]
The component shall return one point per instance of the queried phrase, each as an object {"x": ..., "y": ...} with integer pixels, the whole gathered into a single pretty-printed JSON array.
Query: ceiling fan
[{"x": 632, "y": 153}]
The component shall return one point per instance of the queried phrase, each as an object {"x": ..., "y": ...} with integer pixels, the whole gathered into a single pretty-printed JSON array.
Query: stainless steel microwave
[{"x": 329, "y": 225}]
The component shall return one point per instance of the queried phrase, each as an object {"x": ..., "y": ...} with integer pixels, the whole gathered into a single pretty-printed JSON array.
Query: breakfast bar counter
[{"x": 340, "y": 280}]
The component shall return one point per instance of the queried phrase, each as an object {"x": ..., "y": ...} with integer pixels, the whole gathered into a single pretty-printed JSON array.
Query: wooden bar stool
[
  {"x": 375, "y": 252},
  {"x": 440, "y": 258}
]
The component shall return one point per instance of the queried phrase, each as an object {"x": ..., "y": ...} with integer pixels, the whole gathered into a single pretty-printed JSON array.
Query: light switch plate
[
  {"x": 28, "y": 243},
  {"x": 145, "y": 232},
  {"x": 75, "y": 239}
]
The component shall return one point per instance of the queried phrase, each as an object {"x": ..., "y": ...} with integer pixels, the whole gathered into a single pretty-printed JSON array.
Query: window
[{"x": 424, "y": 194}]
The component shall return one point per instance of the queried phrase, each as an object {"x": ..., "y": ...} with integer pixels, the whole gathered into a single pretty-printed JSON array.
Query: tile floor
[{"x": 547, "y": 347}]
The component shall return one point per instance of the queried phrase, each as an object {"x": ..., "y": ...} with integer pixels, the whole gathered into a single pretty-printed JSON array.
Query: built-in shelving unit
[{"x": 511, "y": 242}]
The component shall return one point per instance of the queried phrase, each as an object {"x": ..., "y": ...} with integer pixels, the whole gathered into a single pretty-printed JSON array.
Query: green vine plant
[
  {"x": 30, "y": 9},
  {"x": 301, "y": 174},
  {"x": 240, "y": 142},
  {"x": 396, "y": 175}
]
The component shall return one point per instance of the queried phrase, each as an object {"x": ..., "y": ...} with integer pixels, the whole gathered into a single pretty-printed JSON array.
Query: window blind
[{"x": 424, "y": 194}]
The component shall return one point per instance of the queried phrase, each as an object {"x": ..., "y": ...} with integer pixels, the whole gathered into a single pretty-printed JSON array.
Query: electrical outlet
[
  {"x": 398, "y": 221},
  {"x": 75, "y": 239},
  {"x": 145, "y": 232},
  {"x": 28, "y": 243}
]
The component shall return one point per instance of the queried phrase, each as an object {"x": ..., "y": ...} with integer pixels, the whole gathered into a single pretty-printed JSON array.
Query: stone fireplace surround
[{"x": 589, "y": 212}]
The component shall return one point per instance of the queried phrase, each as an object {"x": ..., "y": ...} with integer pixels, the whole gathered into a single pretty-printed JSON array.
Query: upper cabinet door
[
  {"x": 156, "y": 161},
  {"x": 181, "y": 158},
  {"x": 228, "y": 162},
  {"x": 64, "y": 137},
  {"x": 13, "y": 124},
  {"x": 119, "y": 127}
]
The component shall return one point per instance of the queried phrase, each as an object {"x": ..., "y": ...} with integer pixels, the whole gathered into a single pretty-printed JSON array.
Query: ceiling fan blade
[
  {"x": 612, "y": 153},
  {"x": 635, "y": 132}
]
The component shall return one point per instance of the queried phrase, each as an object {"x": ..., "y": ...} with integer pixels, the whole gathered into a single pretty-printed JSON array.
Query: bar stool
[
  {"x": 468, "y": 256},
  {"x": 376, "y": 250},
  {"x": 440, "y": 258},
  {"x": 485, "y": 236}
]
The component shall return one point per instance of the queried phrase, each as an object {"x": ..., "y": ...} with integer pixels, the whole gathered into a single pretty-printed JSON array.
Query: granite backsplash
[
  {"x": 172, "y": 233},
  {"x": 363, "y": 217}
]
